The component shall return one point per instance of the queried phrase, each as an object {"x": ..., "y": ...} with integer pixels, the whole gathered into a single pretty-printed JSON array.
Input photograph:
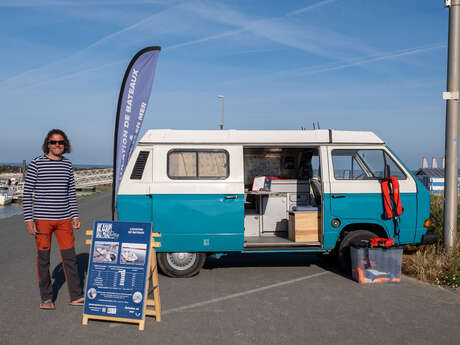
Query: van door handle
[
  {"x": 338, "y": 196},
  {"x": 231, "y": 197}
]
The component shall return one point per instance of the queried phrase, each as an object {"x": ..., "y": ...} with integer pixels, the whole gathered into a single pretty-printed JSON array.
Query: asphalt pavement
[{"x": 238, "y": 299}]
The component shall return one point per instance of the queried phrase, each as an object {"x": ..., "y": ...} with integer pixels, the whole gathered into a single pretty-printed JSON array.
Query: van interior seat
[{"x": 315, "y": 185}]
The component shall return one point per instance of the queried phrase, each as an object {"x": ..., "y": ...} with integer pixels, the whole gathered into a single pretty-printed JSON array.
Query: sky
[{"x": 348, "y": 64}]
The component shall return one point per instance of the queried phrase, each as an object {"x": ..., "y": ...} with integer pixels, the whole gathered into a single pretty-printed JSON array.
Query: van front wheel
[
  {"x": 343, "y": 250},
  {"x": 180, "y": 264}
]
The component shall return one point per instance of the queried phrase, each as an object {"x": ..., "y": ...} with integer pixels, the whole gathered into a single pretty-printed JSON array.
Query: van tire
[
  {"x": 180, "y": 265},
  {"x": 343, "y": 250}
]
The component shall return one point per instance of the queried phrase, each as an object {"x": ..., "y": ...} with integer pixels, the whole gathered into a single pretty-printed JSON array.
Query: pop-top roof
[{"x": 233, "y": 136}]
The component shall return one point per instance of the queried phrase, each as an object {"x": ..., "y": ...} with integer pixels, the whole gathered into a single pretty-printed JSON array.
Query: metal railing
[{"x": 83, "y": 179}]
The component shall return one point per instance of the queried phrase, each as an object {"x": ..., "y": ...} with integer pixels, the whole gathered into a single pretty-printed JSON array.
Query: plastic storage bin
[{"x": 376, "y": 265}]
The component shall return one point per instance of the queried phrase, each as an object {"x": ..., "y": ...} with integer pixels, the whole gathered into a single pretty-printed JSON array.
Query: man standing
[{"x": 50, "y": 206}]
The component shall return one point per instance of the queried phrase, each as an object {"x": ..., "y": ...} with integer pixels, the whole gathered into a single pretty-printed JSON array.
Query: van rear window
[
  {"x": 139, "y": 166},
  {"x": 198, "y": 164}
]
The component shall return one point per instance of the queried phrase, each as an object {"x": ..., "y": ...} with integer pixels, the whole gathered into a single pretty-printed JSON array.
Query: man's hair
[{"x": 67, "y": 147}]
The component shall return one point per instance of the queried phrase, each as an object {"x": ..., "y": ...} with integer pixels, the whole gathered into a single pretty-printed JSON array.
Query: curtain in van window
[
  {"x": 182, "y": 164},
  {"x": 212, "y": 164}
]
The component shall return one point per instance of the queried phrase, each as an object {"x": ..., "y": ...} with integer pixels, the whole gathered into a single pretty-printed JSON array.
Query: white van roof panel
[{"x": 233, "y": 136}]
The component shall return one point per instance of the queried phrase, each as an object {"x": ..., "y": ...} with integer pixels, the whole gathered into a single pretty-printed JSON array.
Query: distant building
[{"x": 433, "y": 179}]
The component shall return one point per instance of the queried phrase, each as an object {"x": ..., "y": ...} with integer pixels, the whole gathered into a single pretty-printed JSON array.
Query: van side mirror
[{"x": 386, "y": 172}]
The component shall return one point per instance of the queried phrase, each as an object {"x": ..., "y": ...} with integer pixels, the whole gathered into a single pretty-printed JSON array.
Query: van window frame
[
  {"x": 196, "y": 178},
  {"x": 363, "y": 165}
]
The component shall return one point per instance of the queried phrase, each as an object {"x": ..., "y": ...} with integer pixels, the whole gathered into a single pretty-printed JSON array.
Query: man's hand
[
  {"x": 31, "y": 228},
  {"x": 76, "y": 223}
]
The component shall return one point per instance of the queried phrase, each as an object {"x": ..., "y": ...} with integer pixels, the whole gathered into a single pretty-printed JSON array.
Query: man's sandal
[
  {"x": 47, "y": 305},
  {"x": 79, "y": 301}
]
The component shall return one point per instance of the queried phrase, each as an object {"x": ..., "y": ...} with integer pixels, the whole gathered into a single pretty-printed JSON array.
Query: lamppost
[
  {"x": 221, "y": 97},
  {"x": 452, "y": 108}
]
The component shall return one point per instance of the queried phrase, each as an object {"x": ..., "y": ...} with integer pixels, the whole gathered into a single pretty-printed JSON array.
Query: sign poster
[{"x": 116, "y": 285}]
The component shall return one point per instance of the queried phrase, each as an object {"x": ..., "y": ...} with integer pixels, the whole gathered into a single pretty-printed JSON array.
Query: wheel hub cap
[{"x": 181, "y": 261}]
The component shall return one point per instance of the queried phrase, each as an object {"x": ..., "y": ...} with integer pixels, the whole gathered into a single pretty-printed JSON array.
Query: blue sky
[{"x": 349, "y": 64}]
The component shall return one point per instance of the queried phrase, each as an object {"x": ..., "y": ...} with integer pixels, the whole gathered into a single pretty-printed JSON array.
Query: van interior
[{"x": 285, "y": 211}]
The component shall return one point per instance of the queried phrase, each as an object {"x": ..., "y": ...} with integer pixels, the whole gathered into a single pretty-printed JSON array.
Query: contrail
[
  {"x": 143, "y": 21},
  {"x": 81, "y": 51},
  {"x": 404, "y": 52},
  {"x": 205, "y": 39},
  {"x": 310, "y": 7},
  {"x": 336, "y": 65},
  {"x": 47, "y": 3},
  {"x": 74, "y": 74}
]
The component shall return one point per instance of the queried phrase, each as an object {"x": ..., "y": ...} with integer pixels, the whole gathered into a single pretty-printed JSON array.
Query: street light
[
  {"x": 451, "y": 139},
  {"x": 222, "y": 99}
]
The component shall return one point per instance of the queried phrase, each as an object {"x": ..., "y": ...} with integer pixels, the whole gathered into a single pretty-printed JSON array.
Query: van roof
[{"x": 233, "y": 136}]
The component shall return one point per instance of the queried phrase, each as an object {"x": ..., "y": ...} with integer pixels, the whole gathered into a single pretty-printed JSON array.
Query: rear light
[{"x": 427, "y": 223}]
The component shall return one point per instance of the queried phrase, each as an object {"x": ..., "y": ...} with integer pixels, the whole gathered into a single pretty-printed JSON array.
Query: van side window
[
  {"x": 354, "y": 164},
  {"x": 394, "y": 169},
  {"x": 139, "y": 166},
  {"x": 198, "y": 164}
]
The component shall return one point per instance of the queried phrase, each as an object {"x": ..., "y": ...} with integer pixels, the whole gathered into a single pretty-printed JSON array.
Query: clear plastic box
[{"x": 376, "y": 265}]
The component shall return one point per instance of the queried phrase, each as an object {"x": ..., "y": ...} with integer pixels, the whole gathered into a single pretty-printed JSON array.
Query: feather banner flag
[{"x": 132, "y": 104}]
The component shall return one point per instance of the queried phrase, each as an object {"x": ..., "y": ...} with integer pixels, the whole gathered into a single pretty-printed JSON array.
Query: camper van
[{"x": 215, "y": 192}]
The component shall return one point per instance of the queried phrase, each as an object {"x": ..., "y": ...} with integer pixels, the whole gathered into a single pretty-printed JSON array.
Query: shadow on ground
[
  {"x": 263, "y": 260},
  {"x": 326, "y": 262},
  {"x": 58, "y": 275}
]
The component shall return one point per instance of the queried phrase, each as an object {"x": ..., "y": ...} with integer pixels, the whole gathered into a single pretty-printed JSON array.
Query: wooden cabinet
[{"x": 304, "y": 226}]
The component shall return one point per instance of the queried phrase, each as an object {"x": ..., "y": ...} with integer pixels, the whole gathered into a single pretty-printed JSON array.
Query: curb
[{"x": 452, "y": 291}]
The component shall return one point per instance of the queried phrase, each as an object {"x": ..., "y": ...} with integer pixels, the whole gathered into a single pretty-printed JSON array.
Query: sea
[
  {"x": 14, "y": 209},
  {"x": 10, "y": 210}
]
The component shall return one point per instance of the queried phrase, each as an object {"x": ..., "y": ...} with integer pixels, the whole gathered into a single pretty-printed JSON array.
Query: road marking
[{"x": 244, "y": 293}]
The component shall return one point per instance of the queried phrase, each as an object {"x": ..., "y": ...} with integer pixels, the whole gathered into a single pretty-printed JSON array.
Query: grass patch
[{"x": 431, "y": 263}]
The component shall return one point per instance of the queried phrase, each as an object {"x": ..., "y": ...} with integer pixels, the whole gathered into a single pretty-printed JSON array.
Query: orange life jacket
[{"x": 391, "y": 198}]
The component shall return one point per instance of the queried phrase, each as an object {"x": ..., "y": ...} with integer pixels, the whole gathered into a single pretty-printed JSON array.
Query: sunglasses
[{"x": 54, "y": 142}]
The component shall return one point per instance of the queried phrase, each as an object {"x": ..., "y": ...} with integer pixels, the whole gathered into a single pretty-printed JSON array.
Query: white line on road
[{"x": 244, "y": 293}]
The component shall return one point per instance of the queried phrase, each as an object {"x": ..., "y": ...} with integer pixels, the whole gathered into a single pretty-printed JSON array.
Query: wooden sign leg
[
  {"x": 156, "y": 287},
  {"x": 84, "y": 321},
  {"x": 141, "y": 325},
  {"x": 155, "y": 302}
]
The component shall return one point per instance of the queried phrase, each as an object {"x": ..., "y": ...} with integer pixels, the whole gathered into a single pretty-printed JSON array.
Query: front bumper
[{"x": 430, "y": 238}]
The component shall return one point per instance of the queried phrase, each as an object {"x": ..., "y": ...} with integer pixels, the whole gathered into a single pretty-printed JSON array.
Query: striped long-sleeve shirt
[{"x": 49, "y": 190}]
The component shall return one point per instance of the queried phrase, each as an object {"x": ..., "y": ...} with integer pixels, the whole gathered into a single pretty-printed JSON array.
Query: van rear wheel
[
  {"x": 181, "y": 264},
  {"x": 343, "y": 250}
]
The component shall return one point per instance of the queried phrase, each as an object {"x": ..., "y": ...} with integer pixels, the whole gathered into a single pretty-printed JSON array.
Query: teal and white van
[{"x": 196, "y": 187}]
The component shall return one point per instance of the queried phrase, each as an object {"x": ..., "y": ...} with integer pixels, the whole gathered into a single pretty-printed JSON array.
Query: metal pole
[
  {"x": 452, "y": 107},
  {"x": 222, "y": 99},
  {"x": 222, "y": 113}
]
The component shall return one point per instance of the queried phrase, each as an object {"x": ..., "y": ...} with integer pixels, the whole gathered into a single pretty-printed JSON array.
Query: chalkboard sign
[{"x": 116, "y": 285}]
